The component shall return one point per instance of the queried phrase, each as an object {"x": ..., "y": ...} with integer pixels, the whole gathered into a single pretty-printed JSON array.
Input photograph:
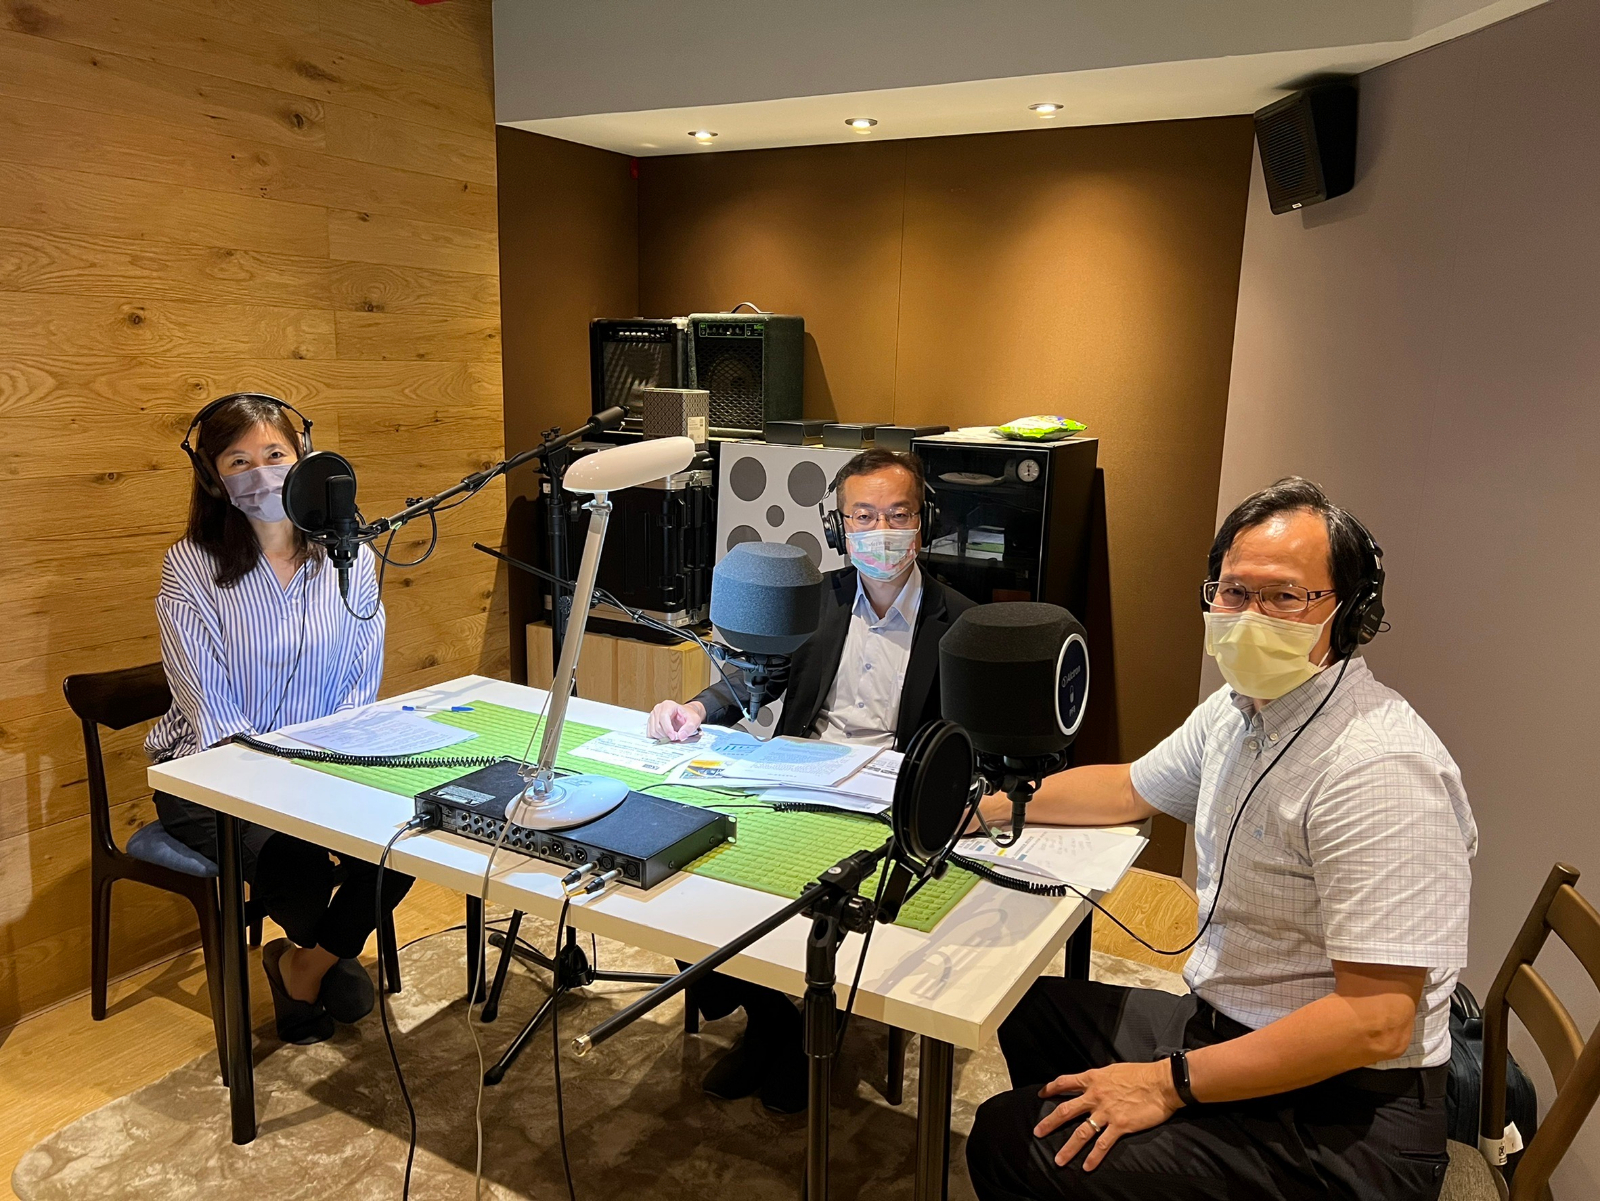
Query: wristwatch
[{"x": 1180, "y": 1077}]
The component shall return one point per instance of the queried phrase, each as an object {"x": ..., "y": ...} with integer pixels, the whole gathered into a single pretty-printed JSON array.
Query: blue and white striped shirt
[{"x": 258, "y": 656}]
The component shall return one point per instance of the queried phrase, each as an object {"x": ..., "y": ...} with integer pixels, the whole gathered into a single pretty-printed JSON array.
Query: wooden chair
[
  {"x": 1574, "y": 1063},
  {"x": 117, "y": 700}
]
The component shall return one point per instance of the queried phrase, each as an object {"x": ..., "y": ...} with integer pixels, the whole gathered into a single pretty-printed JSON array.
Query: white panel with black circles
[{"x": 770, "y": 493}]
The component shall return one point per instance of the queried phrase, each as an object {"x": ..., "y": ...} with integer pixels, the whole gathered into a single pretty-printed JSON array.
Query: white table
[{"x": 952, "y": 987}]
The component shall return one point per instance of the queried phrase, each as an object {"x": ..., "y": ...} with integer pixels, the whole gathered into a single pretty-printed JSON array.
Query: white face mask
[
  {"x": 1262, "y": 657},
  {"x": 258, "y": 492},
  {"x": 881, "y": 554}
]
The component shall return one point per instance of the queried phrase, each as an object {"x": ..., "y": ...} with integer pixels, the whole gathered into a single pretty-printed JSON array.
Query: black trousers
[
  {"x": 319, "y": 903},
  {"x": 774, "y": 1023},
  {"x": 1363, "y": 1135}
]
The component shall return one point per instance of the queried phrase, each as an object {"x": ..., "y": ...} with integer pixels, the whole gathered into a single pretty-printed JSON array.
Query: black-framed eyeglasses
[
  {"x": 1276, "y": 600},
  {"x": 863, "y": 518}
]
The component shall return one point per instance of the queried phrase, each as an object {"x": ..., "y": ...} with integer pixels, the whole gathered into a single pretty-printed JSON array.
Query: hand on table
[
  {"x": 1121, "y": 1099},
  {"x": 671, "y": 722}
]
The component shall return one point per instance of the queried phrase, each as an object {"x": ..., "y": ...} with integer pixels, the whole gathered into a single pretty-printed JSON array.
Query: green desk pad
[{"x": 778, "y": 853}]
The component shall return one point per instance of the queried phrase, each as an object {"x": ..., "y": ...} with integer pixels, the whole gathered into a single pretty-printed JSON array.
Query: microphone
[
  {"x": 342, "y": 521},
  {"x": 1015, "y": 676},
  {"x": 319, "y": 497},
  {"x": 766, "y": 601}
]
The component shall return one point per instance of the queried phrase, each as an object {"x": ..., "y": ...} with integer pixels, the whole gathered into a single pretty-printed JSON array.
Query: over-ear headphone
[
  {"x": 1360, "y": 619},
  {"x": 203, "y": 471},
  {"x": 833, "y": 520}
]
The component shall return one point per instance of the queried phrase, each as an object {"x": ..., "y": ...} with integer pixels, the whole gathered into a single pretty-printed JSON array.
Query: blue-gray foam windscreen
[{"x": 766, "y": 598}]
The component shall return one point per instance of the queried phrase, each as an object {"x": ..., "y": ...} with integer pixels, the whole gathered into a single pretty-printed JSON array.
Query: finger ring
[{"x": 1094, "y": 1125}]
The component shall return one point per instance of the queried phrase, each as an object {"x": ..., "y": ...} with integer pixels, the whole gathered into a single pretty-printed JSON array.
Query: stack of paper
[
  {"x": 804, "y": 761},
  {"x": 1090, "y": 859}
]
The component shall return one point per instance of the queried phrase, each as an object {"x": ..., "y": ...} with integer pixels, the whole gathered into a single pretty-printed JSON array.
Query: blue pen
[{"x": 451, "y": 709}]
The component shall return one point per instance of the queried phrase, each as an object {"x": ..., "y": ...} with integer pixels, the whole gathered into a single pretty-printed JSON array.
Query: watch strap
[{"x": 1180, "y": 1077}]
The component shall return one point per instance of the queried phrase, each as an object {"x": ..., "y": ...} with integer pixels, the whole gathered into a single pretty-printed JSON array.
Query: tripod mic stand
[
  {"x": 835, "y": 908},
  {"x": 569, "y": 969}
]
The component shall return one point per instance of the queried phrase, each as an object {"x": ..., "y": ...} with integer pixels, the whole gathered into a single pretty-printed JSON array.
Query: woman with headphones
[{"x": 255, "y": 636}]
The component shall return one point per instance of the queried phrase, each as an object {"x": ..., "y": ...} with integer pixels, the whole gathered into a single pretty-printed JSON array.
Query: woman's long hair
[{"x": 215, "y": 524}]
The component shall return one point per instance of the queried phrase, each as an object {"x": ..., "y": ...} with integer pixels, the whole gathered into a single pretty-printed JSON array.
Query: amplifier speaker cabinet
[
  {"x": 753, "y": 365},
  {"x": 626, "y": 355}
]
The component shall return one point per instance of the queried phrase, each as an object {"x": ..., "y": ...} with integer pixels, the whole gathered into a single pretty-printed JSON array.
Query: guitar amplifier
[
  {"x": 627, "y": 355},
  {"x": 752, "y": 364}
]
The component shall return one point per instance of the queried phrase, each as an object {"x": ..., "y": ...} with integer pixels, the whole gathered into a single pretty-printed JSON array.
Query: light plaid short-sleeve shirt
[{"x": 1357, "y": 848}]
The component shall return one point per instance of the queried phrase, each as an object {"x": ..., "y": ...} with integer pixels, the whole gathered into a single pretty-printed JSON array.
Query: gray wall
[{"x": 1428, "y": 347}]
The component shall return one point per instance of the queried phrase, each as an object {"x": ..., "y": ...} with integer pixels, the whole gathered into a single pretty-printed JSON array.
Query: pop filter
[
  {"x": 932, "y": 791},
  {"x": 305, "y": 491}
]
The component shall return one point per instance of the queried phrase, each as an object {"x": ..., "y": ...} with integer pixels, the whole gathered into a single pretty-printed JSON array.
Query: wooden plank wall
[{"x": 197, "y": 197}]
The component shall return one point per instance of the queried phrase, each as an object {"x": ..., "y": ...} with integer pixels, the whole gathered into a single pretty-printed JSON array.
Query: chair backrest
[
  {"x": 116, "y": 699},
  {"x": 1574, "y": 1063}
]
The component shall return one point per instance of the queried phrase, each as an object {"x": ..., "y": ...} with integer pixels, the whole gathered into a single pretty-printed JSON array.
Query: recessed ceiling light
[
  {"x": 702, "y": 136},
  {"x": 861, "y": 124},
  {"x": 1045, "y": 110}
]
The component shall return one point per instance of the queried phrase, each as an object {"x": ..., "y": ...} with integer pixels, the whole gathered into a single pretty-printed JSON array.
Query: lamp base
[{"x": 571, "y": 801}]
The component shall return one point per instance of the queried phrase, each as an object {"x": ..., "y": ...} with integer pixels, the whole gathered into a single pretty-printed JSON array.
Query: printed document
[
  {"x": 637, "y": 751},
  {"x": 1090, "y": 859},
  {"x": 804, "y": 761},
  {"x": 377, "y": 732}
]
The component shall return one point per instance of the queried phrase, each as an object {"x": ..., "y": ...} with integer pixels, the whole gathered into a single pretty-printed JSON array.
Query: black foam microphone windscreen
[
  {"x": 1016, "y": 676},
  {"x": 766, "y": 598}
]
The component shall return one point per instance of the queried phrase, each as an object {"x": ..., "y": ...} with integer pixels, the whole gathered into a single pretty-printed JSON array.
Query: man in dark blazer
[{"x": 870, "y": 675}]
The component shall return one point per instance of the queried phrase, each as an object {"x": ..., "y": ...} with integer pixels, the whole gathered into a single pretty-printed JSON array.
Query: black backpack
[{"x": 1465, "y": 1084}]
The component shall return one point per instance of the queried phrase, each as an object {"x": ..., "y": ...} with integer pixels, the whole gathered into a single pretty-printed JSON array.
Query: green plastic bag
[{"x": 1044, "y": 427}]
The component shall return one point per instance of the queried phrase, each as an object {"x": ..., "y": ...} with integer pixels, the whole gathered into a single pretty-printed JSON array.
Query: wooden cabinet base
[{"x": 622, "y": 671}]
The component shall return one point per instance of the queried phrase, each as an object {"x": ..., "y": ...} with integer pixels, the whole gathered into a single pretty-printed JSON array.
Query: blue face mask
[
  {"x": 881, "y": 554},
  {"x": 258, "y": 493}
]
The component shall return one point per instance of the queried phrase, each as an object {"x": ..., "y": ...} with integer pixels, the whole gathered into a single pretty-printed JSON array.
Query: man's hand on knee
[{"x": 1113, "y": 1101}]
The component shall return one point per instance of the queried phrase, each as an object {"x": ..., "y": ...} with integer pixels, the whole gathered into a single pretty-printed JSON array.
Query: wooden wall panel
[
  {"x": 569, "y": 220},
  {"x": 202, "y": 196}
]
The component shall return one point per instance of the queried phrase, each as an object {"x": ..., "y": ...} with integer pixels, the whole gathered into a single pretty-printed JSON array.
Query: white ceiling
[{"x": 635, "y": 76}]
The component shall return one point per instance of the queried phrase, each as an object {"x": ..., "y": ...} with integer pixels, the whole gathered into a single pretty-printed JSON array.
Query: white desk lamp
[{"x": 548, "y": 802}]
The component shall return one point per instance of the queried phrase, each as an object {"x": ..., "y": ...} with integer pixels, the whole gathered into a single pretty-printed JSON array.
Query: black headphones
[
  {"x": 1360, "y": 619},
  {"x": 833, "y": 520},
  {"x": 203, "y": 471}
]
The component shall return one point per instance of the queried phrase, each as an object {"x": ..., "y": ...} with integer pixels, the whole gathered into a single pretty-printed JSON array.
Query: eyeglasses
[
  {"x": 1279, "y": 600},
  {"x": 862, "y": 518}
]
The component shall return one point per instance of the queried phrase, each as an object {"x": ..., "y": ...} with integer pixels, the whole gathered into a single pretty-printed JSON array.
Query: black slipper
[
  {"x": 788, "y": 1083},
  {"x": 739, "y": 1073},
  {"x": 347, "y": 993},
  {"x": 299, "y": 1022}
]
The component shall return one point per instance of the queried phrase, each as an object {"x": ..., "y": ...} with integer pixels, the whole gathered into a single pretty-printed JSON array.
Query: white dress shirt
[
  {"x": 863, "y": 705},
  {"x": 258, "y": 655},
  {"x": 1356, "y": 847}
]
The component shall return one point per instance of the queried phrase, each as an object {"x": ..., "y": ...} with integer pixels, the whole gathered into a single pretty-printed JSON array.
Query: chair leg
[
  {"x": 389, "y": 949},
  {"x": 211, "y": 951},
  {"x": 100, "y": 946},
  {"x": 255, "y": 932}
]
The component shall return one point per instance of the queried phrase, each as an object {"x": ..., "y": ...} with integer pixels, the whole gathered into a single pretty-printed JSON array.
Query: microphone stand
[{"x": 835, "y": 908}]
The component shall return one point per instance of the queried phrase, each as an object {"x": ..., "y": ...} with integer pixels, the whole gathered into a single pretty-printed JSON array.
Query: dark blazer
[{"x": 813, "y": 667}]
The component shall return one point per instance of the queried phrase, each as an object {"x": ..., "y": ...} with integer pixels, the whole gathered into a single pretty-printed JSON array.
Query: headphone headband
[{"x": 203, "y": 470}]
